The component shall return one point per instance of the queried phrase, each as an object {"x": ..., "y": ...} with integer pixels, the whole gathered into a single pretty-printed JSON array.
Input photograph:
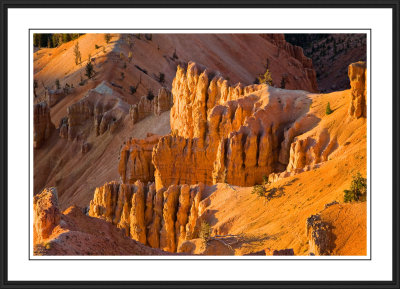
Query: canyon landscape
[{"x": 199, "y": 144}]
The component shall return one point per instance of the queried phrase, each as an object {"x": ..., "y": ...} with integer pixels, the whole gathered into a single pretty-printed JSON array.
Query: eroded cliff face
[
  {"x": 135, "y": 159},
  {"x": 161, "y": 219},
  {"x": 46, "y": 214},
  {"x": 148, "y": 106},
  {"x": 310, "y": 151},
  {"x": 225, "y": 134},
  {"x": 100, "y": 110},
  {"x": 42, "y": 125},
  {"x": 358, "y": 83},
  {"x": 297, "y": 53}
]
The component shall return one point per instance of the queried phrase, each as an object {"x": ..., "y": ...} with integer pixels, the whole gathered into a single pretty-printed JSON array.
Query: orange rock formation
[
  {"x": 161, "y": 219},
  {"x": 42, "y": 125},
  {"x": 135, "y": 159},
  {"x": 46, "y": 214},
  {"x": 358, "y": 83},
  {"x": 146, "y": 106},
  {"x": 225, "y": 134}
]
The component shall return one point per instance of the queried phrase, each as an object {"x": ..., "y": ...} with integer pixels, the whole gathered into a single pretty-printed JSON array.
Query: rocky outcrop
[
  {"x": 98, "y": 111},
  {"x": 222, "y": 133},
  {"x": 149, "y": 105},
  {"x": 135, "y": 159},
  {"x": 78, "y": 235},
  {"x": 46, "y": 214},
  {"x": 320, "y": 236},
  {"x": 42, "y": 125},
  {"x": 54, "y": 96},
  {"x": 162, "y": 219},
  {"x": 309, "y": 152},
  {"x": 358, "y": 83}
]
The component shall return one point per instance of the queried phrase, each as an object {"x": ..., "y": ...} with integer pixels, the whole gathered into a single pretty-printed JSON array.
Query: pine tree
[
  {"x": 35, "y": 86},
  {"x": 77, "y": 53},
  {"x": 89, "y": 70},
  {"x": 107, "y": 37},
  {"x": 36, "y": 40},
  {"x": 328, "y": 109},
  {"x": 283, "y": 82}
]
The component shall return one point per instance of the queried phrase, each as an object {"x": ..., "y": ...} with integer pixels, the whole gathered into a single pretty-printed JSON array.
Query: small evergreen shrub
[
  {"x": 358, "y": 190},
  {"x": 89, "y": 70},
  {"x": 259, "y": 190},
  {"x": 150, "y": 95},
  {"x": 132, "y": 89},
  {"x": 205, "y": 232},
  {"x": 328, "y": 110},
  {"x": 266, "y": 78},
  {"x": 107, "y": 37},
  {"x": 161, "y": 77}
]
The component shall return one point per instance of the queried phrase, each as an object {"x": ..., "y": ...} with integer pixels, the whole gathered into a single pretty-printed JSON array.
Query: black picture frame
[{"x": 4, "y": 158}]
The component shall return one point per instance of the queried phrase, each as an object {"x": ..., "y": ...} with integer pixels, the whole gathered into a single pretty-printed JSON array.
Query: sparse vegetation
[
  {"x": 130, "y": 56},
  {"x": 358, "y": 190},
  {"x": 96, "y": 46},
  {"x": 266, "y": 78},
  {"x": 35, "y": 86},
  {"x": 150, "y": 95},
  {"x": 265, "y": 179},
  {"x": 122, "y": 75},
  {"x": 58, "y": 84},
  {"x": 175, "y": 56},
  {"x": 107, "y": 37},
  {"x": 77, "y": 53},
  {"x": 259, "y": 190},
  {"x": 89, "y": 70},
  {"x": 205, "y": 232},
  {"x": 132, "y": 89},
  {"x": 161, "y": 77},
  {"x": 328, "y": 110}
]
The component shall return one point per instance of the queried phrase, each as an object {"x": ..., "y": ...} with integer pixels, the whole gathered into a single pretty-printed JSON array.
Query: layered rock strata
[
  {"x": 100, "y": 110},
  {"x": 358, "y": 83},
  {"x": 135, "y": 159},
  {"x": 222, "y": 133},
  {"x": 161, "y": 219},
  {"x": 42, "y": 125},
  {"x": 149, "y": 106}
]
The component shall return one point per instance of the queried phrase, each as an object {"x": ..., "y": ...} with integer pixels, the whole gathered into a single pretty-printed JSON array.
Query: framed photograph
[{"x": 243, "y": 144}]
